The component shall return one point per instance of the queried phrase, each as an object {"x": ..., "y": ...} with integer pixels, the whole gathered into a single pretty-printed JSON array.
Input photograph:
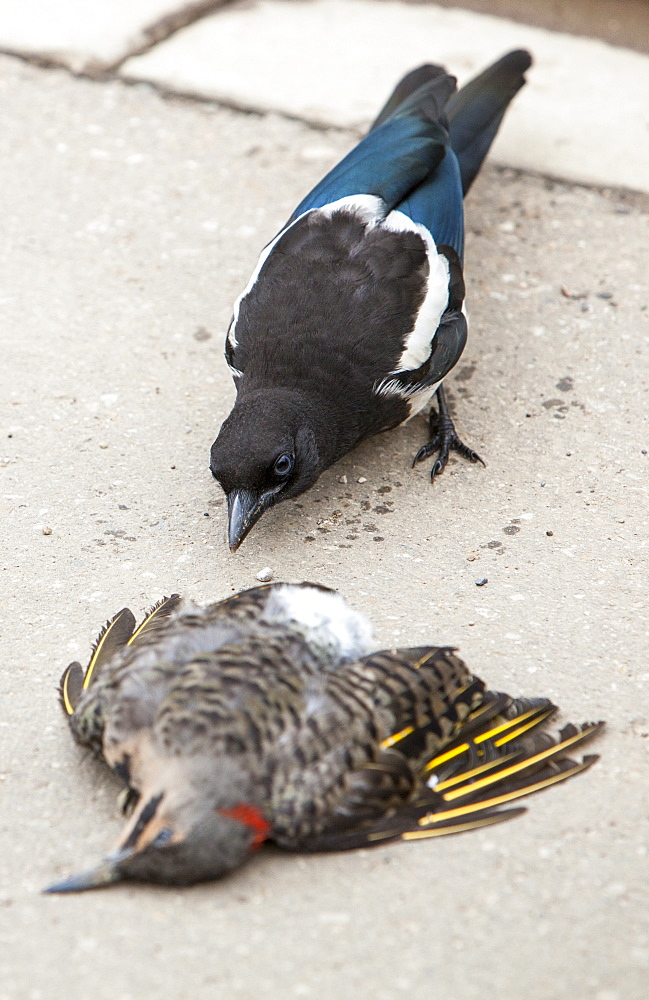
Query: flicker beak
[
  {"x": 245, "y": 507},
  {"x": 105, "y": 873}
]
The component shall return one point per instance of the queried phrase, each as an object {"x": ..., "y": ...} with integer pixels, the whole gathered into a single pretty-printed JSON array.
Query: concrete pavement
[
  {"x": 582, "y": 116},
  {"x": 130, "y": 223}
]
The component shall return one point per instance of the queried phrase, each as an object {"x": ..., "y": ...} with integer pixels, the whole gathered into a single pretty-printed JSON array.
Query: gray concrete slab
[
  {"x": 129, "y": 225},
  {"x": 583, "y": 115},
  {"x": 87, "y": 36}
]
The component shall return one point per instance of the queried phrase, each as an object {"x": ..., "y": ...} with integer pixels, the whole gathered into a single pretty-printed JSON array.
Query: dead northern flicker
[{"x": 266, "y": 717}]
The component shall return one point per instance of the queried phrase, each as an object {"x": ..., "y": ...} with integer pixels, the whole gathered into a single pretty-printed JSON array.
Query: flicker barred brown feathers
[{"x": 266, "y": 717}]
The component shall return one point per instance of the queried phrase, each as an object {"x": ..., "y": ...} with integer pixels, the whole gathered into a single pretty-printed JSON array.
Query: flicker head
[{"x": 176, "y": 843}]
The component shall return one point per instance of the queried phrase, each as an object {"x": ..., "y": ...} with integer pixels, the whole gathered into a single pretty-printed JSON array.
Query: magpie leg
[{"x": 443, "y": 439}]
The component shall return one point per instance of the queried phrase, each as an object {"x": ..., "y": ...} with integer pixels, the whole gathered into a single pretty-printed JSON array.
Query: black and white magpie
[{"x": 355, "y": 312}]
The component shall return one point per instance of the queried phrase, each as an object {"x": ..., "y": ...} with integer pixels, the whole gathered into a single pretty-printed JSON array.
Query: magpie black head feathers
[{"x": 266, "y": 452}]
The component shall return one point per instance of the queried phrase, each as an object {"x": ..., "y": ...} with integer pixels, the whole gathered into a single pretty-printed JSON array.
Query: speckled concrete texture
[{"x": 130, "y": 223}]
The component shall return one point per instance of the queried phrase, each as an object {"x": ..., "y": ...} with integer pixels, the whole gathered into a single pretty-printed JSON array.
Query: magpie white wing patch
[
  {"x": 230, "y": 345},
  {"x": 418, "y": 346}
]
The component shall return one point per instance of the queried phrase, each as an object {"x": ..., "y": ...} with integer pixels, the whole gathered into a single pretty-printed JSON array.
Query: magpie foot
[{"x": 443, "y": 440}]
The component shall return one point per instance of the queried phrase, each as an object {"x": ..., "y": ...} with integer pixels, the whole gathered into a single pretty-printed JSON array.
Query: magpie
[{"x": 355, "y": 312}]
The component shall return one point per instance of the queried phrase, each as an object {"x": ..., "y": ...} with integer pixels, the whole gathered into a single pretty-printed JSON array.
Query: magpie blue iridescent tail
[{"x": 355, "y": 313}]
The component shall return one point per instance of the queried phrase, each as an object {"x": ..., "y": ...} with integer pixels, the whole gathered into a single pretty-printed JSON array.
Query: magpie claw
[
  {"x": 438, "y": 467},
  {"x": 423, "y": 453},
  {"x": 444, "y": 439}
]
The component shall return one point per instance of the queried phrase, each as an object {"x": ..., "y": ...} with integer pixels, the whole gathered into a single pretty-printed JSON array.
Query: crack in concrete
[
  {"x": 147, "y": 38},
  {"x": 173, "y": 94},
  {"x": 168, "y": 25},
  {"x": 99, "y": 73}
]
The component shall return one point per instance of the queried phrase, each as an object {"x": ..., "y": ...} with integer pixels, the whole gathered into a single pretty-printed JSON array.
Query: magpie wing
[
  {"x": 411, "y": 83},
  {"x": 477, "y": 109},
  {"x": 397, "y": 155},
  {"x": 436, "y": 203}
]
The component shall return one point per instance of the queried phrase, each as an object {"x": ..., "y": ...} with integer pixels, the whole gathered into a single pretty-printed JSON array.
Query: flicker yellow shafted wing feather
[
  {"x": 71, "y": 687},
  {"x": 396, "y": 737},
  {"x": 156, "y": 616},
  {"x": 490, "y": 819},
  {"x": 507, "y": 796},
  {"x": 473, "y": 772},
  {"x": 526, "y": 762},
  {"x": 442, "y": 758},
  {"x": 531, "y": 718},
  {"x": 520, "y": 724},
  {"x": 112, "y": 637}
]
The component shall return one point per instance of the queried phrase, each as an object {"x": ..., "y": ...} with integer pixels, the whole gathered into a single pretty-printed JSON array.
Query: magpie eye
[
  {"x": 163, "y": 838},
  {"x": 283, "y": 466}
]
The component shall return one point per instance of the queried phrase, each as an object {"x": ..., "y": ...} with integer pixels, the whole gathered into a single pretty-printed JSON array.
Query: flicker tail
[
  {"x": 113, "y": 637},
  {"x": 155, "y": 620},
  {"x": 116, "y": 634}
]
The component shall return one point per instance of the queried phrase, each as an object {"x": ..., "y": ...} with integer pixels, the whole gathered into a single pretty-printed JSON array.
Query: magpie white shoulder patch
[
  {"x": 418, "y": 346},
  {"x": 327, "y": 616}
]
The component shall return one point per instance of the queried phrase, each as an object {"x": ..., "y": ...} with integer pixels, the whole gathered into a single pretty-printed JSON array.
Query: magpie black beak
[{"x": 245, "y": 507}]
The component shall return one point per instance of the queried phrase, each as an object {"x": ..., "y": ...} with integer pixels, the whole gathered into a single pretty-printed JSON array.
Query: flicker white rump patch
[{"x": 326, "y": 615}]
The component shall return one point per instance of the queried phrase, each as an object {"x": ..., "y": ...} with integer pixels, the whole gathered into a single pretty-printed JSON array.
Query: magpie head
[{"x": 264, "y": 453}]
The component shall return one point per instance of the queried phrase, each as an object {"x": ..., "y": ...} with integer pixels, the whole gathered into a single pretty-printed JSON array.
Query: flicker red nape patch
[{"x": 252, "y": 817}]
